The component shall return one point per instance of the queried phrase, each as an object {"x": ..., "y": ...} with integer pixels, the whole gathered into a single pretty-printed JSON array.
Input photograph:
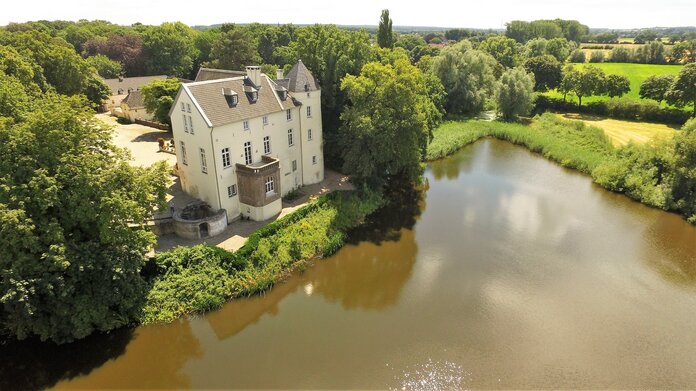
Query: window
[
  {"x": 188, "y": 108},
  {"x": 309, "y": 111},
  {"x": 269, "y": 185},
  {"x": 183, "y": 153},
  {"x": 191, "y": 124},
  {"x": 247, "y": 153},
  {"x": 314, "y": 159},
  {"x": 267, "y": 145},
  {"x": 246, "y": 125},
  {"x": 226, "y": 158},
  {"x": 309, "y": 134},
  {"x": 294, "y": 165},
  {"x": 185, "y": 123},
  {"x": 204, "y": 163},
  {"x": 290, "y": 140},
  {"x": 182, "y": 106},
  {"x": 288, "y": 114},
  {"x": 231, "y": 191},
  {"x": 265, "y": 120}
]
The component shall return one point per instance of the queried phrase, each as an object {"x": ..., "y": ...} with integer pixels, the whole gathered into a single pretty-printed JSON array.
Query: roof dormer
[
  {"x": 231, "y": 97},
  {"x": 252, "y": 93}
]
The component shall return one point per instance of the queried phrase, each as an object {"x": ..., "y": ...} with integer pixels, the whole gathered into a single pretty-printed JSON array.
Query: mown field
[
  {"x": 622, "y": 132},
  {"x": 636, "y": 73}
]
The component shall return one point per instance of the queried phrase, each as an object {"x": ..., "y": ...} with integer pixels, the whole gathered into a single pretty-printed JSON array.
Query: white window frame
[
  {"x": 294, "y": 165},
  {"x": 288, "y": 114},
  {"x": 185, "y": 123},
  {"x": 265, "y": 120},
  {"x": 226, "y": 161},
  {"x": 267, "y": 145},
  {"x": 248, "y": 157},
  {"x": 309, "y": 111},
  {"x": 191, "y": 124},
  {"x": 204, "y": 161},
  {"x": 291, "y": 140},
  {"x": 269, "y": 185},
  {"x": 309, "y": 134},
  {"x": 245, "y": 124},
  {"x": 231, "y": 190},
  {"x": 183, "y": 153}
]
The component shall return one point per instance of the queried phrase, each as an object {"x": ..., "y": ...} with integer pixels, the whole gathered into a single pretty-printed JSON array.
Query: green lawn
[{"x": 636, "y": 73}]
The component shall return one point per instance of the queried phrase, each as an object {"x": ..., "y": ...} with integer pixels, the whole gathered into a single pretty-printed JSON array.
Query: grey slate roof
[
  {"x": 134, "y": 100},
  {"x": 301, "y": 79},
  {"x": 132, "y": 83},
  {"x": 216, "y": 74},
  {"x": 209, "y": 96}
]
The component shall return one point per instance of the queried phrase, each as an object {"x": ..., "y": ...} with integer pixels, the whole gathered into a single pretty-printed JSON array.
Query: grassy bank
[
  {"x": 190, "y": 280},
  {"x": 570, "y": 143},
  {"x": 659, "y": 173}
]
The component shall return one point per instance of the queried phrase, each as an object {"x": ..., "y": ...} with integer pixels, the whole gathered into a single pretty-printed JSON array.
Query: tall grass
[{"x": 570, "y": 143}]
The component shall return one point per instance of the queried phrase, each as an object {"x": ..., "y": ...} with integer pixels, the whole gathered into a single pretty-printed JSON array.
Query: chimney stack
[
  {"x": 254, "y": 74},
  {"x": 279, "y": 74}
]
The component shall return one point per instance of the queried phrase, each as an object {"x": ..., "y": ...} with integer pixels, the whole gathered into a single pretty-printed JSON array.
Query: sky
[{"x": 463, "y": 13}]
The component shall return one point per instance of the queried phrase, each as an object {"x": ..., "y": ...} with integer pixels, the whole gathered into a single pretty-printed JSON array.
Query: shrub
[
  {"x": 621, "y": 54},
  {"x": 597, "y": 56},
  {"x": 577, "y": 56}
]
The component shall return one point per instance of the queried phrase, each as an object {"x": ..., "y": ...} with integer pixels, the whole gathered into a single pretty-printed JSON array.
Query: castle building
[{"x": 244, "y": 140}]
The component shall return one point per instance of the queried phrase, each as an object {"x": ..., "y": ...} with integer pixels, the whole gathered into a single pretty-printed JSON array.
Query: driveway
[{"x": 140, "y": 140}]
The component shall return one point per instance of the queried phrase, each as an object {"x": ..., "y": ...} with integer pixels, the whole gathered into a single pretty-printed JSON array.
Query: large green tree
[
  {"x": 547, "y": 72},
  {"x": 158, "y": 97},
  {"x": 656, "y": 87},
  {"x": 684, "y": 188},
  {"x": 385, "y": 36},
  {"x": 683, "y": 91},
  {"x": 588, "y": 81},
  {"x": 72, "y": 233},
  {"x": 168, "y": 49},
  {"x": 234, "y": 50},
  {"x": 506, "y": 50},
  {"x": 467, "y": 76},
  {"x": 616, "y": 85},
  {"x": 105, "y": 67},
  {"x": 386, "y": 125},
  {"x": 515, "y": 94}
]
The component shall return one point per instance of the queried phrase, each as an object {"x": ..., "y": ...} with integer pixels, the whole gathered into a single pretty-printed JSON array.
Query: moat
[{"x": 508, "y": 272}]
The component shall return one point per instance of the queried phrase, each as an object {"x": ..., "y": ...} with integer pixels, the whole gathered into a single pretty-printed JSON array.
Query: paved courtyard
[
  {"x": 238, "y": 231},
  {"x": 140, "y": 140}
]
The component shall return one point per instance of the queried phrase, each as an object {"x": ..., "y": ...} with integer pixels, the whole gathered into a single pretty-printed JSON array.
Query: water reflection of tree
[
  {"x": 452, "y": 166},
  {"x": 370, "y": 273},
  {"x": 153, "y": 360},
  {"x": 35, "y": 365},
  {"x": 670, "y": 248},
  {"x": 148, "y": 357}
]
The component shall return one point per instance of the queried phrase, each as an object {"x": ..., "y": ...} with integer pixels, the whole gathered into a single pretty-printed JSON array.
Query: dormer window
[
  {"x": 254, "y": 96},
  {"x": 230, "y": 96}
]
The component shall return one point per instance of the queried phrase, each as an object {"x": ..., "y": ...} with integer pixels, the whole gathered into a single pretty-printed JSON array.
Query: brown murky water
[{"x": 510, "y": 272}]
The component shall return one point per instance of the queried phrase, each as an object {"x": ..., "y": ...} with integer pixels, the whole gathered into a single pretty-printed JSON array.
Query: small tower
[{"x": 304, "y": 87}]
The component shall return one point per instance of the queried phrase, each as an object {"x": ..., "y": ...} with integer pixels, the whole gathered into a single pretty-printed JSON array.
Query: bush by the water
[
  {"x": 660, "y": 174},
  {"x": 201, "y": 278}
]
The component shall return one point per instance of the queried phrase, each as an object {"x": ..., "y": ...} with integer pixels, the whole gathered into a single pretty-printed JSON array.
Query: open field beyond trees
[{"x": 636, "y": 73}]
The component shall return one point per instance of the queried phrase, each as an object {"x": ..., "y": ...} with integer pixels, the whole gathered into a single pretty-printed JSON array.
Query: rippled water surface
[{"x": 510, "y": 272}]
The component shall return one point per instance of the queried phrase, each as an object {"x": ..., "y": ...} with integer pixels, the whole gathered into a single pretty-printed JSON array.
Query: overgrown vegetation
[
  {"x": 660, "y": 174},
  {"x": 201, "y": 278}
]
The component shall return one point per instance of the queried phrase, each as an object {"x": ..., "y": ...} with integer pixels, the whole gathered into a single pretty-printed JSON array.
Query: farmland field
[
  {"x": 636, "y": 73},
  {"x": 622, "y": 132}
]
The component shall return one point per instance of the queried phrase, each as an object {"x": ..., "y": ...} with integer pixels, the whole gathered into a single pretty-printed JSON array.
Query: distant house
[
  {"x": 133, "y": 107},
  {"x": 244, "y": 139},
  {"x": 121, "y": 87}
]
